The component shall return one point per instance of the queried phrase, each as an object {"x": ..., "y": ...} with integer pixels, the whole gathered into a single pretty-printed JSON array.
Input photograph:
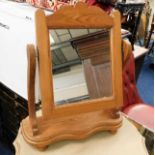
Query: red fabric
[
  {"x": 106, "y": 8},
  {"x": 142, "y": 114},
  {"x": 130, "y": 92},
  {"x": 133, "y": 105}
]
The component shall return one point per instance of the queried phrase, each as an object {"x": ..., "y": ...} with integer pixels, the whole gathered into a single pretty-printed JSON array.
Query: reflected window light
[{"x": 51, "y": 39}]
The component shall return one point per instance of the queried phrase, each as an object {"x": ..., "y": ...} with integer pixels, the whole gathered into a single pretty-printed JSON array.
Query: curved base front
[{"x": 70, "y": 128}]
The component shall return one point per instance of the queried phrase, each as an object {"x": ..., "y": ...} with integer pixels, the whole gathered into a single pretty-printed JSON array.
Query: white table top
[{"x": 127, "y": 141}]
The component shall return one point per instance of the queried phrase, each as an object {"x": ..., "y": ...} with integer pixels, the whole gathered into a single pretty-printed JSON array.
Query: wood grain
[
  {"x": 81, "y": 119},
  {"x": 116, "y": 57},
  {"x": 70, "y": 128},
  {"x": 31, "y": 87},
  {"x": 79, "y": 16},
  {"x": 45, "y": 65}
]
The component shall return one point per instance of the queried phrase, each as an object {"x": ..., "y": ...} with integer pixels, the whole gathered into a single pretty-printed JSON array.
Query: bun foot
[
  {"x": 42, "y": 148},
  {"x": 113, "y": 131}
]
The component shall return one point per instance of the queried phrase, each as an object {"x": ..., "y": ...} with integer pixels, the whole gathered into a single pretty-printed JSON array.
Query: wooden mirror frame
[{"x": 78, "y": 120}]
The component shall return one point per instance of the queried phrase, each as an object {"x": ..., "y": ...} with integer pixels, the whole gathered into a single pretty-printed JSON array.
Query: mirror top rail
[{"x": 78, "y": 17}]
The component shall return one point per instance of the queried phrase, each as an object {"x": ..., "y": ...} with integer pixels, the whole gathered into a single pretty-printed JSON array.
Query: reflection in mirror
[{"x": 81, "y": 64}]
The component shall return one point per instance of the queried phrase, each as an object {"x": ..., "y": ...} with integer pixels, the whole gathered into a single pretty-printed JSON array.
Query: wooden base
[{"x": 70, "y": 128}]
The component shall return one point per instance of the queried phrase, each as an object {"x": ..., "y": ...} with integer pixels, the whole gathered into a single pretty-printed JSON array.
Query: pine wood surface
[
  {"x": 31, "y": 87},
  {"x": 73, "y": 127},
  {"x": 127, "y": 141},
  {"x": 79, "y": 16},
  {"x": 74, "y": 120}
]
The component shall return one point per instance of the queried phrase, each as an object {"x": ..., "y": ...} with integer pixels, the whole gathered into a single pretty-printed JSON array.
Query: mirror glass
[{"x": 81, "y": 64}]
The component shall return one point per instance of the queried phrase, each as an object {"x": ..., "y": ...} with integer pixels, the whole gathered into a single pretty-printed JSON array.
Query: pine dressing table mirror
[{"x": 100, "y": 111}]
